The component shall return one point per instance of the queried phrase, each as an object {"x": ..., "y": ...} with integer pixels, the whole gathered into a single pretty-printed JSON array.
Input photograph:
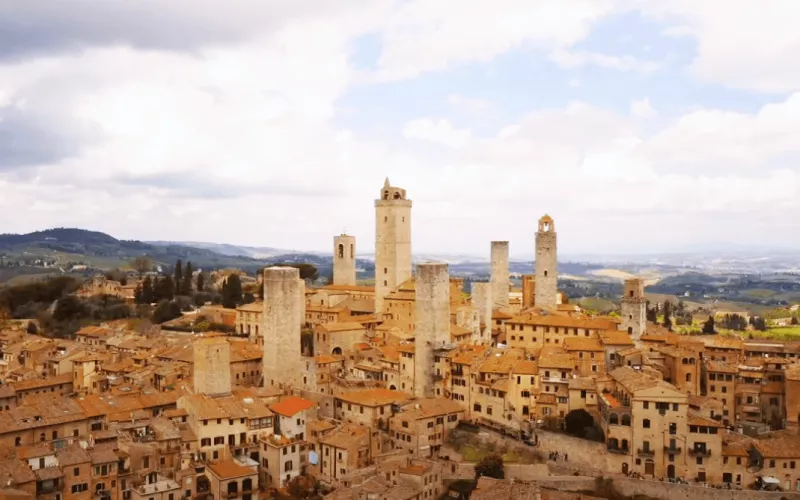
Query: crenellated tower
[{"x": 393, "y": 263}]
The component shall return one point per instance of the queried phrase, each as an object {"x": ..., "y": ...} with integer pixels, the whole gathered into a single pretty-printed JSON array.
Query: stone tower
[
  {"x": 344, "y": 260},
  {"x": 546, "y": 293},
  {"x": 212, "y": 366},
  {"x": 432, "y": 310},
  {"x": 392, "y": 242},
  {"x": 482, "y": 301},
  {"x": 283, "y": 308},
  {"x": 499, "y": 279},
  {"x": 634, "y": 308}
]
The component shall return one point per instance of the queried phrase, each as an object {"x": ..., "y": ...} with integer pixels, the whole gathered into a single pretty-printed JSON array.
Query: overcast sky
[{"x": 639, "y": 125}]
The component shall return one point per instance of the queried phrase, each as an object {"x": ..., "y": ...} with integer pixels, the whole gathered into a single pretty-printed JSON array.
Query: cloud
[
  {"x": 430, "y": 35},
  {"x": 469, "y": 104},
  {"x": 438, "y": 131},
  {"x": 641, "y": 108},
  {"x": 752, "y": 46},
  {"x": 575, "y": 59}
]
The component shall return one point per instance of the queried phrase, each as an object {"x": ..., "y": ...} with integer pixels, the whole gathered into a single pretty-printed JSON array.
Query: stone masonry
[
  {"x": 482, "y": 301},
  {"x": 283, "y": 307},
  {"x": 393, "y": 263},
  {"x": 546, "y": 293},
  {"x": 212, "y": 366},
  {"x": 499, "y": 278},
  {"x": 344, "y": 260},
  {"x": 634, "y": 308},
  {"x": 432, "y": 309}
]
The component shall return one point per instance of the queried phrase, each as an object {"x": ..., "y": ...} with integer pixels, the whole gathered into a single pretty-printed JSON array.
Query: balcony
[
  {"x": 700, "y": 452},
  {"x": 672, "y": 450},
  {"x": 646, "y": 452}
]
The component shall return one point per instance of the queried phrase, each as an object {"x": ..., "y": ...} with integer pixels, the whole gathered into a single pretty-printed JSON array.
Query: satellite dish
[{"x": 312, "y": 457}]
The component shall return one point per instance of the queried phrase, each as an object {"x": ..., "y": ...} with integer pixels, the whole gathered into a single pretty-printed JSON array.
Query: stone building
[
  {"x": 212, "y": 360},
  {"x": 432, "y": 311},
  {"x": 283, "y": 318},
  {"x": 634, "y": 308},
  {"x": 393, "y": 264},
  {"x": 344, "y": 260},
  {"x": 546, "y": 293},
  {"x": 499, "y": 276}
]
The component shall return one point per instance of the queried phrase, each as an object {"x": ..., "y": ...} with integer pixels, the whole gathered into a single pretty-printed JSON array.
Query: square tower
[
  {"x": 212, "y": 366},
  {"x": 546, "y": 293},
  {"x": 393, "y": 263},
  {"x": 432, "y": 311},
  {"x": 283, "y": 316},
  {"x": 344, "y": 260},
  {"x": 634, "y": 308},
  {"x": 499, "y": 274}
]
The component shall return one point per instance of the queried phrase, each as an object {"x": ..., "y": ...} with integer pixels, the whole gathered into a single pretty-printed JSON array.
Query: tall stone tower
[
  {"x": 392, "y": 242},
  {"x": 432, "y": 310},
  {"x": 344, "y": 260},
  {"x": 634, "y": 308},
  {"x": 499, "y": 278},
  {"x": 283, "y": 308},
  {"x": 482, "y": 300},
  {"x": 546, "y": 293},
  {"x": 212, "y": 366}
]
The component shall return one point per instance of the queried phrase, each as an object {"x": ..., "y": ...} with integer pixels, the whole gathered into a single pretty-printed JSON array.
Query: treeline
[{"x": 669, "y": 312}]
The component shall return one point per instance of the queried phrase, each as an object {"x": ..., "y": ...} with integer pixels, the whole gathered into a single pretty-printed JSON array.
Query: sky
[{"x": 638, "y": 125}]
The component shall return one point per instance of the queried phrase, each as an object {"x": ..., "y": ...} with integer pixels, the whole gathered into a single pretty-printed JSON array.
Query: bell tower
[
  {"x": 546, "y": 293},
  {"x": 634, "y": 308},
  {"x": 393, "y": 263},
  {"x": 344, "y": 260}
]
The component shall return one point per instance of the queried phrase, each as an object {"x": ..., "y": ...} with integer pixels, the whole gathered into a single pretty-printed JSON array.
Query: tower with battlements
[
  {"x": 546, "y": 293},
  {"x": 393, "y": 263},
  {"x": 634, "y": 308}
]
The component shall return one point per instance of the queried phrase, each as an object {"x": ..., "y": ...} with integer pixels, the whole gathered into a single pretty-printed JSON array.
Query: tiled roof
[{"x": 291, "y": 406}]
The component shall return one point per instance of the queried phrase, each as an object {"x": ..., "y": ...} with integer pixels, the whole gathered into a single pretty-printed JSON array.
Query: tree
[
  {"x": 667, "y": 315},
  {"x": 307, "y": 271},
  {"x": 165, "y": 311},
  {"x": 186, "y": 284},
  {"x": 32, "y": 328},
  {"x": 142, "y": 264},
  {"x": 144, "y": 292},
  {"x": 708, "y": 326},
  {"x": 69, "y": 308},
  {"x": 490, "y": 466},
  {"x": 652, "y": 313},
  {"x": 178, "y": 279},
  {"x": 201, "y": 282},
  {"x": 232, "y": 292},
  {"x": 164, "y": 289}
]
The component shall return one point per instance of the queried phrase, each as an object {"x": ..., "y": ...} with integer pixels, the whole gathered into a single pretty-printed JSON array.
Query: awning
[{"x": 770, "y": 480}]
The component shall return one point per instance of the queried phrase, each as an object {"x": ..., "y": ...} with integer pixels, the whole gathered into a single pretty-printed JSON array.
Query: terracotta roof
[
  {"x": 228, "y": 469},
  {"x": 582, "y": 344},
  {"x": 374, "y": 397},
  {"x": 616, "y": 337},
  {"x": 288, "y": 407}
]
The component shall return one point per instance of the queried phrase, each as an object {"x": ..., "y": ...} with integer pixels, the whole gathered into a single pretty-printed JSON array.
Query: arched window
[
  {"x": 396, "y": 195},
  {"x": 630, "y": 293},
  {"x": 341, "y": 251},
  {"x": 613, "y": 444},
  {"x": 613, "y": 419},
  {"x": 685, "y": 361},
  {"x": 18, "y": 441},
  {"x": 352, "y": 251},
  {"x": 386, "y": 195},
  {"x": 476, "y": 407},
  {"x": 630, "y": 330},
  {"x": 688, "y": 377},
  {"x": 626, "y": 419}
]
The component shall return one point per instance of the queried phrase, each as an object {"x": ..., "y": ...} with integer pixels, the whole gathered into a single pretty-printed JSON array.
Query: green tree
[
  {"x": 165, "y": 311},
  {"x": 164, "y": 289},
  {"x": 186, "y": 284},
  {"x": 232, "y": 292},
  {"x": 178, "y": 277},
  {"x": 201, "y": 282},
  {"x": 667, "y": 315},
  {"x": 490, "y": 466},
  {"x": 708, "y": 326}
]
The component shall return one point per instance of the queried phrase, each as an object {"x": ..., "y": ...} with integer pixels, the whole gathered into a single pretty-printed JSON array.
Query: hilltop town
[{"x": 394, "y": 391}]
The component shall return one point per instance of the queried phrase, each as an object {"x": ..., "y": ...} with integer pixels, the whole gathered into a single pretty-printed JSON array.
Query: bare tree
[{"x": 142, "y": 264}]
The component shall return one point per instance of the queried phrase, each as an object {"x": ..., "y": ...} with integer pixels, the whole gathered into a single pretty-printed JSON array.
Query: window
[{"x": 646, "y": 423}]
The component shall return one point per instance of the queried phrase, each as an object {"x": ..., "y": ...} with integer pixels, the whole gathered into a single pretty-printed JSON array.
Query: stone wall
[
  {"x": 499, "y": 277},
  {"x": 432, "y": 311},
  {"x": 283, "y": 314}
]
